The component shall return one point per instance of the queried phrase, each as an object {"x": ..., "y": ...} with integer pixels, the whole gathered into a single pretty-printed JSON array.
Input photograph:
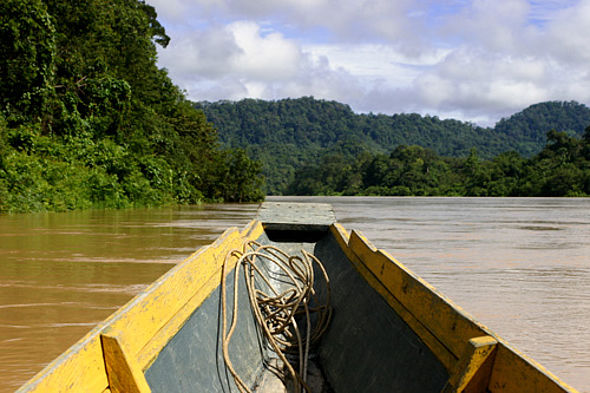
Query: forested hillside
[
  {"x": 88, "y": 120},
  {"x": 562, "y": 168},
  {"x": 289, "y": 134},
  {"x": 528, "y": 128}
]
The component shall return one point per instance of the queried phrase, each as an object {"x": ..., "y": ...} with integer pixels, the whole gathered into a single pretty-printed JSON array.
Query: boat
[{"x": 369, "y": 324}]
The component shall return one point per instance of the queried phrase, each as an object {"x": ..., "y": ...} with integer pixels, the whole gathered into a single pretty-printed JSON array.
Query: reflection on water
[
  {"x": 520, "y": 266},
  {"x": 62, "y": 273}
]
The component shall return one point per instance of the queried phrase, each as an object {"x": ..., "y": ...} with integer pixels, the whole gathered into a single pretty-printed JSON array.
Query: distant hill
[
  {"x": 528, "y": 128},
  {"x": 288, "y": 133}
]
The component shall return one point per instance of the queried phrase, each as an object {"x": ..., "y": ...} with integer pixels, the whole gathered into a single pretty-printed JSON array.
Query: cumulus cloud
[
  {"x": 270, "y": 57},
  {"x": 476, "y": 60},
  {"x": 468, "y": 79},
  {"x": 351, "y": 21},
  {"x": 202, "y": 54},
  {"x": 245, "y": 59},
  {"x": 567, "y": 35},
  {"x": 489, "y": 23}
]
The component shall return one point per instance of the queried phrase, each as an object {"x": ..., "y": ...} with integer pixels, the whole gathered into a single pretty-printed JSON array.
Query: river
[{"x": 521, "y": 266}]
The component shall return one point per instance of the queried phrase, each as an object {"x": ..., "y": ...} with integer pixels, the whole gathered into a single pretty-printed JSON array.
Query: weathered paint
[
  {"x": 443, "y": 325},
  {"x": 146, "y": 323},
  {"x": 513, "y": 372},
  {"x": 123, "y": 372},
  {"x": 296, "y": 216},
  {"x": 208, "y": 265},
  {"x": 368, "y": 347},
  {"x": 192, "y": 360},
  {"x": 387, "y": 290},
  {"x": 473, "y": 370},
  {"x": 152, "y": 311},
  {"x": 446, "y": 321},
  {"x": 80, "y": 369}
]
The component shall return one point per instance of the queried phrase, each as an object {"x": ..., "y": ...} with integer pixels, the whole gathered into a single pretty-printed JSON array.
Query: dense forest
[
  {"x": 291, "y": 134},
  {"x": 87, "y": 119},
  {"x": 562, "y": 168}
]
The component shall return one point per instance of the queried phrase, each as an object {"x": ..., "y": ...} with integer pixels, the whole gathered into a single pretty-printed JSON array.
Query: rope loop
[{"x": 279, "y": 304}]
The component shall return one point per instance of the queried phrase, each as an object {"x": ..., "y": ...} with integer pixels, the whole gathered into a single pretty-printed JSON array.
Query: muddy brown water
[{"x": 521, "y": 266}]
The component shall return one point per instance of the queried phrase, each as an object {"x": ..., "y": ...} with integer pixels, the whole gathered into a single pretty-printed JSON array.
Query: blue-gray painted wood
[
  {"x": 296, "y": 216},
  {"x": 193, "y": 359},
  {"x": 368, "y": 347}
]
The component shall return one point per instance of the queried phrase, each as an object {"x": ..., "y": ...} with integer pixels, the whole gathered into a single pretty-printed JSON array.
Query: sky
[{"x": 473, "y": 60}]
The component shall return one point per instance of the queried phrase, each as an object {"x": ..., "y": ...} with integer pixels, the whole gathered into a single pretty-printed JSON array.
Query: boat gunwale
[
  {"x": 374, "y": 264},
  {"x": 82, "y": 365}
]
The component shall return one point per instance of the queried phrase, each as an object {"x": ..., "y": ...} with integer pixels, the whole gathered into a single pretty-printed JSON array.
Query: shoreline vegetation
[
  {"x": 88, "y": 120},
  {"x": 561, "y": 169}
]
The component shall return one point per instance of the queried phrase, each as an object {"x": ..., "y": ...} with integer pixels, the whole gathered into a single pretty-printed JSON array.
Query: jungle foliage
[
  {"x": 562, "y": 168},
  {"x": 87, "y": 119},
  {"x": 293, "y": 134}
]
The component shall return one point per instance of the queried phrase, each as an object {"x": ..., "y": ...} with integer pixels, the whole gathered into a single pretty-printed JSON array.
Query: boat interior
[{"x": 367, "y": 346}]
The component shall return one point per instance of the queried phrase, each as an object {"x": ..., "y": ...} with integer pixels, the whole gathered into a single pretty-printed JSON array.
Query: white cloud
[
  {"x": 473, "y": 59},
  {"x": 377, "y": 61},
  {"x": 349, "y": 20},
  {"x": 244, "y": 59},
  {"x": 568, "y": 34},
  {"x": 270, "y": 57},
  {"x": 480, "y": 83},
  {"x": 203, "y": 54},
  {"x": 173, "y": 10},
  {"x": 495, "y": 25},
  {"x": 237, "y": 50}
]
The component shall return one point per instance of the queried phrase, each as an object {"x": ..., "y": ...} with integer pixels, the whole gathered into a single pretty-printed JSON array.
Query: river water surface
[{"x": 521, "y": 266}]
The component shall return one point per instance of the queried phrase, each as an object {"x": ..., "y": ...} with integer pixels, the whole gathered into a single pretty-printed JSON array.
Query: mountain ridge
[{"x": 286, "y": 133}]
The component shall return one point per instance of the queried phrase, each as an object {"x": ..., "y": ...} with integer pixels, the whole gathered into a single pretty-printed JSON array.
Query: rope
[{"x": 276, "y": 310}]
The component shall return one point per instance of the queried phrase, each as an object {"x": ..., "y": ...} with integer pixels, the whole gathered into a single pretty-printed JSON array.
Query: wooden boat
[{"x": 389, "y": 331}]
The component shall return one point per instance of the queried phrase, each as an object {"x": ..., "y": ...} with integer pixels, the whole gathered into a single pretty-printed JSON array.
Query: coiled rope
[{"x": 276, "y": 309}]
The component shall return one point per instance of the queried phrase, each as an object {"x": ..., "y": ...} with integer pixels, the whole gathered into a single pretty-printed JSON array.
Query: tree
[
  {"x": 88, "y": 119},
  {"x": 240, "y": 177},
  {"x": 27, "y": 54}
]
